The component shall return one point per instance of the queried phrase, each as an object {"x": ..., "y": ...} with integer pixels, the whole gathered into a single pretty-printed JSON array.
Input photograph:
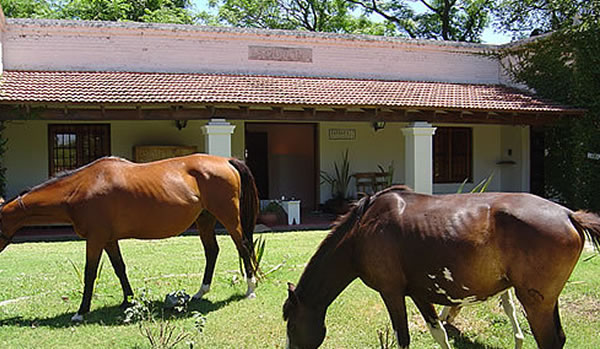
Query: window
[
  {"x": 452, "y": 161},
  {"x": 72, "y": 146}
]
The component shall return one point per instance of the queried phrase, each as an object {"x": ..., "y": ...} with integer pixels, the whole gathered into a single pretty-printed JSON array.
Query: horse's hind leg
[
  {"x": 449, "y": 313},
  {"x": 243, "y": 246},
  {"x": 509, "y": 308},
  {"x": 92, "y": 258},
  {"x": 433, "y": 323},
  {"x": 206, "y": 228},
  {"x": 543, "y": 319},
  {"x": 116, "y": 259}
]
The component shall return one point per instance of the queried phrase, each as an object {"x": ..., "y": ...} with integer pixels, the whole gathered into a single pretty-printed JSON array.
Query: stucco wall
[
  {"x": 97, "y": 46},
  {"x": 490, "y": 144},
  {"x": 368, "y": 150},
  {"x": 27, "y": 155}
]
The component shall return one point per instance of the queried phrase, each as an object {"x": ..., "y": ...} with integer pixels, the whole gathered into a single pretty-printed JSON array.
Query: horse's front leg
[
  {"x": 92, "y": 258},
  {"x": 396, "y": 306},
  {"x": 116, "y": 259}
]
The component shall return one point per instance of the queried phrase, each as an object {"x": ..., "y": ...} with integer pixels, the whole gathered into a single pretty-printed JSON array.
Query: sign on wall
[
  {"x": 342, "y": 133},
  {"x": 282, "y": 54}
]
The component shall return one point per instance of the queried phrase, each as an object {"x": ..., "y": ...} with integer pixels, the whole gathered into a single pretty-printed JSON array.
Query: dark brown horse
[
  {"x": 446, "y": 249},
  {"x": 112, "y": 199}
]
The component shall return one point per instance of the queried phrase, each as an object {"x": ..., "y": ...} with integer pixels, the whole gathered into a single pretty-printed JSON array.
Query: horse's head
[{"x": 305, "y": 326}]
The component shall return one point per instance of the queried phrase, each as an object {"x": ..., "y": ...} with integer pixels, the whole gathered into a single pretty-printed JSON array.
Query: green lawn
[{"x": 47, "y": 290}]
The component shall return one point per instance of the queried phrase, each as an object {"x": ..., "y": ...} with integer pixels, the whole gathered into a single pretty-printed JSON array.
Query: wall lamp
[
  {"x": 378, "y": 125},
  {"x": 180, "y": 124}
]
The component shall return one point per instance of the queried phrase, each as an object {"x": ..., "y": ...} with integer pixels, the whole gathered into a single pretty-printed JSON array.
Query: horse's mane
[{"x": 345, "y": 223}]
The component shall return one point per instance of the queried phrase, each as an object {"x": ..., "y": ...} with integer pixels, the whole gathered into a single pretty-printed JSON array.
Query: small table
[{"x": 291, "y": 207}]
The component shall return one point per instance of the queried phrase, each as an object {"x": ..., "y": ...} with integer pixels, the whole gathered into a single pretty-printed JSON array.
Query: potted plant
[
  {"x": 272, "y": 214},
  {"x": 339, "y": 182}
]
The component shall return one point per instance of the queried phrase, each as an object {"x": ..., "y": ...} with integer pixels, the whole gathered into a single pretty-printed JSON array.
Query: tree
[
  {"x": 458, "y": 20},
  {"x": 565, "y": 67},
  {"x": 171, "y": 11},
  {"x": 28, "y": 8},
  {"x": 526, "y": 17},
  {"x": 312, "y": 15}
]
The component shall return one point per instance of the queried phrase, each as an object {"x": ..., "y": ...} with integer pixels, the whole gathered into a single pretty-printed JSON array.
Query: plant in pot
[
  {"x": 339, "y": 182},
  {"x": 272, "y": 214}
]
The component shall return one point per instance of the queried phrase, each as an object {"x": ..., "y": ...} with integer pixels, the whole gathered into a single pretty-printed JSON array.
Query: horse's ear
[{"x": 292, "y": 293}]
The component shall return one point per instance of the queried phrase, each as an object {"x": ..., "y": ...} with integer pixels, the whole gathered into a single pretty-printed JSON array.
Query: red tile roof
[{"x": 172, "y": 88}]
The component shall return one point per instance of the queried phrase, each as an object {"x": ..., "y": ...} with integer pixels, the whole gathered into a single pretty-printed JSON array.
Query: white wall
[
  {"x": 365, "y": 152},
  {"x": 27, "y": 155},
  {"x": 104, "y": 46}
]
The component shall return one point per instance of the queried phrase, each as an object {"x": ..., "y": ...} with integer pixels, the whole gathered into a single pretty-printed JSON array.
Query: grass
[{"x": 47, "y": 291}]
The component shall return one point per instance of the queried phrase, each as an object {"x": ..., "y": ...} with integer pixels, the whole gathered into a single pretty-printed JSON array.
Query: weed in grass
[
  {"x": 81, "y": 277},
  {"x": 141, "y": 308},
  {"x": 178, "y": 301},
  {"x": 161, "y": 333},
  {"x": 386, "y": 340}
]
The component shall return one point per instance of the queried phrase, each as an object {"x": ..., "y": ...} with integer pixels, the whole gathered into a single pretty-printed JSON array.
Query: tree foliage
[
  {"x": 526, "y": 17},
  {"x": 312, "y": 15},
  {"x": 171, "y": 11},
  {"x": 458, "y": 20},
  {"x": 565, "y": 67}
]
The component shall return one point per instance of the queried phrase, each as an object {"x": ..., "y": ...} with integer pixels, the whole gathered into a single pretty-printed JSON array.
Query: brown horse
[
  {"x": 448, "y": 249},
  {"x": 112, "y": 199}
]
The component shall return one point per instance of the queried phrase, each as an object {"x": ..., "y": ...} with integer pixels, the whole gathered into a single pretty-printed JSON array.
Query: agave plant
[
  {"x": 480, "y": 187},
  {"x": 340, "y": 180}
]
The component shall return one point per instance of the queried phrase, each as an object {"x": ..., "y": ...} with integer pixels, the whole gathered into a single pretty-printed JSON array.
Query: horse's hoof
[
  {"x": 251, "y": 295},
  {"x": 77, "y": 318},
  {"x": 125, "y": 305}
]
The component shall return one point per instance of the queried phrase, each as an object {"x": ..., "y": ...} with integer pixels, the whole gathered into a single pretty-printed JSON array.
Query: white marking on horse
[
  {"x": 447, "y": 274},
  {"x": 203, "y": 290},
  {"x": 439, "y": 334},
  {"x": 457, "y": 301},
  {"x": 251, "y": 287},
  {"x": 431, "y": 276},
  {"x": 465, "y": 288}
]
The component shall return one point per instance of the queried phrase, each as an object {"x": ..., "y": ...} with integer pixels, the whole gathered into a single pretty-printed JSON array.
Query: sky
[{"x": 488, "y": 37}]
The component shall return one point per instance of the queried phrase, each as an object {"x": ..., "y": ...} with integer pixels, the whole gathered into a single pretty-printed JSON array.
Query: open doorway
[{"x": 282, "y": 157}]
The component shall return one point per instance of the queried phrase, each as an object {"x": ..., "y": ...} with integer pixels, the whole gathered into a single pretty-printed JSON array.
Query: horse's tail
[
  {"x": 588, "y": 223},
  {"x": 248, "y": 208}
]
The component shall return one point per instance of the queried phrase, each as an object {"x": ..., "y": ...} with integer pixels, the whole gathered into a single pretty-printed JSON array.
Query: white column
[
  {"x": 525, "y": 159},
  {"x": 217, "y": 137},
  {"x": 418, "y": 157}
]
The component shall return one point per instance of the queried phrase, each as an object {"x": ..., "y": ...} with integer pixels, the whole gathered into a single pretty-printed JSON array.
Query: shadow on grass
[
  {"x": 463, "y": 342},
  {"x": 113, "y": 315}
]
